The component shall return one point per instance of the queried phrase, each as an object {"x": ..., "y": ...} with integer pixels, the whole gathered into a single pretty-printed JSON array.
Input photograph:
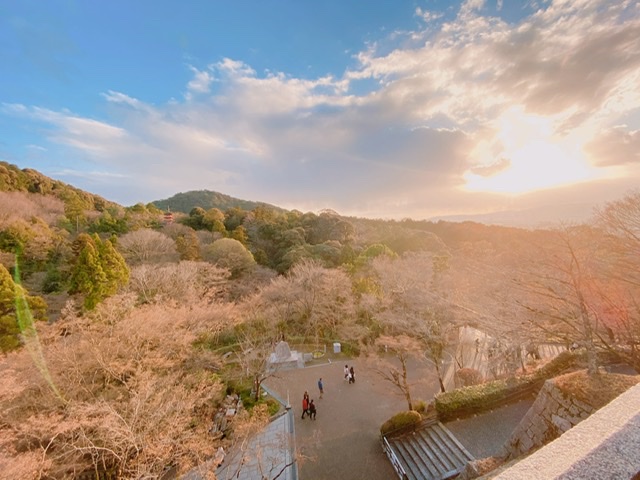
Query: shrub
[
  {"x": 420, "y": 406},
  {"x": 350, "y": 349},
  {"x": 400, "y": 420},
  {"x": 468, "y": 376},
  {"x": 479, "y": 398}
]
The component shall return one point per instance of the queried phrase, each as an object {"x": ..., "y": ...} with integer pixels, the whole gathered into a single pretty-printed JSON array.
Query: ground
[{"x": 344, "y": 440}]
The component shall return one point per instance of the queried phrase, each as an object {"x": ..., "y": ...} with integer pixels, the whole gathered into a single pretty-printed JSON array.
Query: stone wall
[{"x": 552, "y": 414}]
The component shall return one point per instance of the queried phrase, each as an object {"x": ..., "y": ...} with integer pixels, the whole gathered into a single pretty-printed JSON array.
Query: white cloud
[{"x": 200, "y": 83}]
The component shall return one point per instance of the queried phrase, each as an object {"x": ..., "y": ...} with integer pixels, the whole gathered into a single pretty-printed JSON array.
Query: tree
[
  {"x": 9, "y": 326},
  {"x": 139, "y": 397},
  {"x": 257, "y": 341},
  {"x": 404, "y": 348},
  {"x": 313, "y": 301},
  {"x": 180, "y": 283},
  {"x": 620, "y": 220},
  {"x": 188, "y": 245},
  {"x": 99, "y": 270},
  {"x": 213, "y": 220},
  {"x": 231, "y": 254},
  {"x": 563, "y": 284},
  {"x": 146, "y": 245}
]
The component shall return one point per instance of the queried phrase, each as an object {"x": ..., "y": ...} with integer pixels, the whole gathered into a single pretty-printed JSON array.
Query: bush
[
  {"x": 400, "y": 420},
  {"x": 468, "y": 376},
  {"x": 420, "y": 406},
  {"x": 350, "y": 349},
  {"x": 466, "y": 401}
]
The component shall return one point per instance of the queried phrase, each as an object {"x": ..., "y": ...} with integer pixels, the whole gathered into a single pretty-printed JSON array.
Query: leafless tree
[
  {"x": 403, "y": 347},
  {"x": 146, "y": 245}
]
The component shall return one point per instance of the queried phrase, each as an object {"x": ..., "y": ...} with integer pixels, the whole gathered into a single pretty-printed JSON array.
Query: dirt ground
[{"x": 344, "y": 441}]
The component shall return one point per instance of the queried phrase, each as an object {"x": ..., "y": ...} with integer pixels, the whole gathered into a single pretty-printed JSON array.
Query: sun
[{"x": 532, "y": 157}]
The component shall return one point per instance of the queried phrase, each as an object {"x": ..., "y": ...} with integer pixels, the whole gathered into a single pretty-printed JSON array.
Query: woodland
[{"x": 123, "y": 329}]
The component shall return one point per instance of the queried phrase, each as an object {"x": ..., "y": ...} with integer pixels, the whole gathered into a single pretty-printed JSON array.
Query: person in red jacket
[{"x": 305, "y": 404}]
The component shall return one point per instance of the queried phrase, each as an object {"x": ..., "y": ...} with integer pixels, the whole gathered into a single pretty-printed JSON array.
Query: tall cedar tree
[
  {"x": 99, "y": 270},
  {"x": 9, "y": 329}
]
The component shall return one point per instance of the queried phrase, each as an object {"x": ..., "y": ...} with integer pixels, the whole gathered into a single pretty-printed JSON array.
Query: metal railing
[{"x": 397, "y": 466}]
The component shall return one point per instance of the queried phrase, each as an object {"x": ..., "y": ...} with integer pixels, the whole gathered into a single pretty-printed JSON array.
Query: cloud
[
  {"x": 489, "y": 170},
  {"x": 399, "y": 132},
  {"x": 614, "y": 147},
  {"x": 200, "y": 83}
]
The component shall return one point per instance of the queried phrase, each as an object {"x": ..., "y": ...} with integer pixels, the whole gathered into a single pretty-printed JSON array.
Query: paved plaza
[{"x": 344, "y": 441}]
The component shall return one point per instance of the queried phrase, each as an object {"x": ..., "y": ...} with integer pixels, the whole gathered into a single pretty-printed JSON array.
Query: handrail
[{"x": 397, "y": 466}]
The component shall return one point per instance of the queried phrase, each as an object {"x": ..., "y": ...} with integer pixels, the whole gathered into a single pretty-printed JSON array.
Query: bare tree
[
  {"x": 138, "y": 396},
  {"x": 146, "y": 245},
  {"x": 560, "y": 288},
  {"x": 182, "y": 282},
  {"x": 404, "y": 348},
  {"x": 311, "y": 301}
]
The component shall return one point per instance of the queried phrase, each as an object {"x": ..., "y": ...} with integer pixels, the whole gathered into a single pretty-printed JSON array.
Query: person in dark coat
[
  {"x": 312, "y": 410},
  {"x": 352, "y": 375}
]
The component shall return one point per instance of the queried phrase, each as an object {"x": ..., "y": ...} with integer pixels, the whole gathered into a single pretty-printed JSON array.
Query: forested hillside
[
  {"x": 153, "y": 319},
  {"x": 186, "y": 201}
]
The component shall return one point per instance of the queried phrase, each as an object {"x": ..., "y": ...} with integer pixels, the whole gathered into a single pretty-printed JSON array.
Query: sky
[{"x": 379, "y": 109}]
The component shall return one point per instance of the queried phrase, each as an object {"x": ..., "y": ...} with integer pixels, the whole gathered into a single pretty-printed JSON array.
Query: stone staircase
[{"x": 431, "y": 452}]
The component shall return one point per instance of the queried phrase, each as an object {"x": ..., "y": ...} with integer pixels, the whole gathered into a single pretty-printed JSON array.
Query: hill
[
  {"x": 13, "y": 179},
  {"x": 186, "y": 201}
]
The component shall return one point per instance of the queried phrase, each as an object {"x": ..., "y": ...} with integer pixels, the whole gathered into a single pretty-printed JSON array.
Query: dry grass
[{"x": 595, "y": 390}]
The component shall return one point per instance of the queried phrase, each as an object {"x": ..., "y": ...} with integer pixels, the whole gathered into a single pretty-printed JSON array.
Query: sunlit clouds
[{"x": 447, "y": 118}]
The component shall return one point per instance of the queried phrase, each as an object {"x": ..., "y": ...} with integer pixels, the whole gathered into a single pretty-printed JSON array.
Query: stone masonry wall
[{"x": 552, "y": 414}]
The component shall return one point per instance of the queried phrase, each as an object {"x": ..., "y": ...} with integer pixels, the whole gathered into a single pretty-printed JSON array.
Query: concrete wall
[{"x": 552, "y": 414}]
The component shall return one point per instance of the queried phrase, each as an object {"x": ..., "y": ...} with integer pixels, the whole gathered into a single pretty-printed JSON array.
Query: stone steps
[{"x": 430, "y": 453}]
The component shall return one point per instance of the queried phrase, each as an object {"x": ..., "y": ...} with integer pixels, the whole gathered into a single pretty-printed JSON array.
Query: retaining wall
[{"x": 552, "y": 414}]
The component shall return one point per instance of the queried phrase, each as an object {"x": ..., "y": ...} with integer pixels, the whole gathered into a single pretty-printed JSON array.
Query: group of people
[
  {"x": 308, "y": 407},
  {"x": 349, "y": 374}
]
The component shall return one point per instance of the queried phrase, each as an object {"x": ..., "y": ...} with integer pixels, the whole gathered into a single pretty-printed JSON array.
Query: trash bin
[{"x": 336, "y": 347}]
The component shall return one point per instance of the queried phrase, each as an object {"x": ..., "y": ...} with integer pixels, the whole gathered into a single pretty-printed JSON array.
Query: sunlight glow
[{"x": 532, "y": 157}]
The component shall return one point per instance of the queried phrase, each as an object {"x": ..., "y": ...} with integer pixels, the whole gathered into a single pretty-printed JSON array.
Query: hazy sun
[{"x": 531, "y": 156}]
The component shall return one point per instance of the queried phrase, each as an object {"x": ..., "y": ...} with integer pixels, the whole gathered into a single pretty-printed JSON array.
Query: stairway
[{"x": 430, "y": 453}]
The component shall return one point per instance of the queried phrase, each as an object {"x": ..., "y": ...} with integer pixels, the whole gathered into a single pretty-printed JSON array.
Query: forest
[{"x": 116, "y": 323}]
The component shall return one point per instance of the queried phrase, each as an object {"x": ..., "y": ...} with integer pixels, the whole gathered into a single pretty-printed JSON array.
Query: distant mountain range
[
  {"x": 186, "y": 201},
  {"x": 538, "y": 217},
  {"x": 13, "y": 178}
]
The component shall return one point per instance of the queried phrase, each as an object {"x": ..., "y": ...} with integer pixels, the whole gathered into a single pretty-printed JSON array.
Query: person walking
[
  {"x": 346, "y": 372},
  {"x": 352, "y": 375},
  {"x": 320, "y": 387},
  {"x": 312, "y": 410},
  {"x": 305, "y": 404}
]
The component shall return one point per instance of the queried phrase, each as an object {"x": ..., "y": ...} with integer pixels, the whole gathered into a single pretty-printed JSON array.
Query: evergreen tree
[
  {"x": 99, "y": 270},
  {"x": 188, "y": 246},
  {"x": 113, "y": 265},
  {"x": 9, "y": 328}
]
